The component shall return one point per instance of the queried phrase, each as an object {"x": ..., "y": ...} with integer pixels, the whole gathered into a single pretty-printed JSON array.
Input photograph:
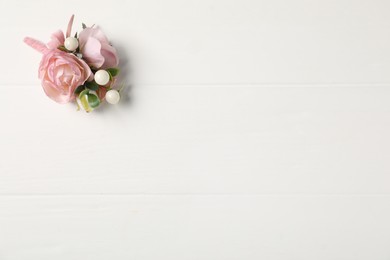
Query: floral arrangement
[{"x": 80, "y": 68}]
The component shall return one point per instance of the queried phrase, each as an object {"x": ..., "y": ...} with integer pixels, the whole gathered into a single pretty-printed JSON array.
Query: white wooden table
[{"x": 253, "y": 129}]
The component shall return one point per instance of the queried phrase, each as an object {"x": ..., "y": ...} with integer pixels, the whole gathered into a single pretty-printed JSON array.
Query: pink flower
[
  {"x": 96, "y": 49},
  {"x": 58, "y": 38},
  {"x": 61, "y": 73}
]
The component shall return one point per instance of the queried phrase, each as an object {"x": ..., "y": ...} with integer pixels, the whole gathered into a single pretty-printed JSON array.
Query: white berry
[
  {"x": 71, "y": 43},
  {"x": 102, "y": 77},
  {"x": 113, "y": 97}
]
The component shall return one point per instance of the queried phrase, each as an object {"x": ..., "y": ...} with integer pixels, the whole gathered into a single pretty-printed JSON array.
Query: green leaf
[
  {"x": 92, "y": 85},
  {"x": 83, "y": 25},
  {"x": 113, "y": 71},
  {"x": 79, "y": 89},
  {"x": 93, "y": 100}
]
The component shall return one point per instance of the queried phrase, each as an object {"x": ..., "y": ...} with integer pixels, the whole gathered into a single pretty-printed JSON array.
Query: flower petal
[
  {"x": 110, "y": 55},
  {"x": 35, "y": 44},
  {"x": 57, "y": 39},
  {"x": 91, "y": 53},
  {"x": 69, "y": 30}
]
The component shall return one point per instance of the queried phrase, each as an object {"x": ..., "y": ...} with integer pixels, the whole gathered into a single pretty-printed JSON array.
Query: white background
[{"x": 253, "y": 129}]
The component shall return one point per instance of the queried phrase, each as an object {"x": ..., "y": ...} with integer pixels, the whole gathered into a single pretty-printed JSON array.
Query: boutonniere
[{"x": 81, "y": 68}]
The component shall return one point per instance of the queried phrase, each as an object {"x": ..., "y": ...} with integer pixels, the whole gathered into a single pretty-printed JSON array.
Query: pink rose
[
  {"x": 96, "y": 49},
  {"x": 61, "y": 73}
]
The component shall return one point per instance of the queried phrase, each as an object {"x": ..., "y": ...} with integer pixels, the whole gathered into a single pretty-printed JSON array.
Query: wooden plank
[
  {"x": 194, "y": 227},
  {"x": 216, "y": 41},
  {"x": 191, "y": 139}
]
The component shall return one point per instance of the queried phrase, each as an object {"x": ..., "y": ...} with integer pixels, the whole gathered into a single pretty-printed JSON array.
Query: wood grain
[
  {"x": 192, "y": 139},
  {"x": 253, "y": 129},
  {"x": 216, "y": 41},
  {"x": 194, "y": 227}
]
